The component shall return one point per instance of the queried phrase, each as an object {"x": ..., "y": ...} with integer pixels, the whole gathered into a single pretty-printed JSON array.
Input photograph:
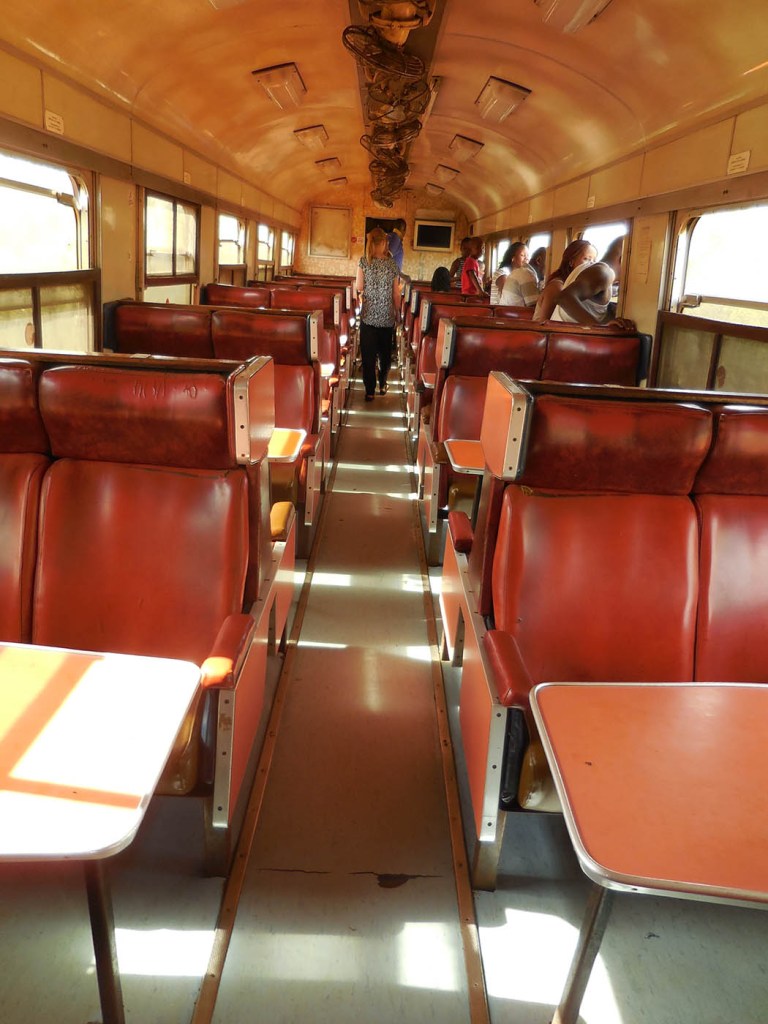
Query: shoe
[
  {"x": 369, "y": 398},
  {"x": 383, "y": 389}
]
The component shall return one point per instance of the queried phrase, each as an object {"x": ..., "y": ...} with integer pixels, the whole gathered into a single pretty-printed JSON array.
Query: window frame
[{"x": 174, "y": 278}]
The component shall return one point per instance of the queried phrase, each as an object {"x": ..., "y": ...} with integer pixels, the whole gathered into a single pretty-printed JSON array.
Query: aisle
[{"x": 349, "y": 910}]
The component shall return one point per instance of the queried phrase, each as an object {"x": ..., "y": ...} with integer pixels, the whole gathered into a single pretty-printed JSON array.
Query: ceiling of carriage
[{"x": 643, "y": 69}]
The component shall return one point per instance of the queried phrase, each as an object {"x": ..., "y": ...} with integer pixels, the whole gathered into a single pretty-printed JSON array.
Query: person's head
[
  {"x": 578, "y": 252},
  {"x": 399, "y": 226},
  {"x": 539, "y": 260},
  {"x": 464, "y": 246},
  {"x": 476, "y": 246},
  {"x": 515, "y": 256},
  {"x": 441, "y": 280},
  {"x": 376, "y": 244},
  {"x": 613, "y": 253}
]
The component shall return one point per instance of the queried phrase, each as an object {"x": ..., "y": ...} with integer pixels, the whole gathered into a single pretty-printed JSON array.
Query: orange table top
[
  {"x": 465, "y": 456},
  {"x": 285, "y": 444},
  {"x": 84, "y": 738},
  {"x": 664, "y": 785}
]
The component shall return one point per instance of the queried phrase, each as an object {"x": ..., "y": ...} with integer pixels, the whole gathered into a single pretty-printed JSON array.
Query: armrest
[
  {"x": 281, "y": 517},
  {"x": 510, "y": 676},
  {"x": 439, "y": 454},
  {"x": 310, "y": 446},
  {"x": 460, "y": 529},
  {"x": 223, "y": 664}
]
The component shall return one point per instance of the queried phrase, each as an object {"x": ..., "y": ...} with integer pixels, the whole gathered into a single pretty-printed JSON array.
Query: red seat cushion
[{"x": 20, "y": 481}]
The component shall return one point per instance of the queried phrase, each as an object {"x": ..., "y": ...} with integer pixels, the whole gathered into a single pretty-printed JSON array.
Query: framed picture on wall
[{"x": 330, "y": 231}]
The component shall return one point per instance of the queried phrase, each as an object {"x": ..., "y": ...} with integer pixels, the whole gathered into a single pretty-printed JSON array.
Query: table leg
[
  {"x": 104, "y": 946},
  {"x": 591, "y": 935}
]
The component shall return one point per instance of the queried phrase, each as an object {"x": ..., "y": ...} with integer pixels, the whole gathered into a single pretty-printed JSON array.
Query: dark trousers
[{"x": 375, "y": 346}]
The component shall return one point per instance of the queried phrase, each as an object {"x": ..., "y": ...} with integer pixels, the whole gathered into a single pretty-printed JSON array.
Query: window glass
[
  {"x": 40, "y": 210},
  {"x": 266, "y": 243},
  {"x": 182, "y": 293},
  {"x": 287, "y": 243},
  {"x": 231, "y": 241},
  {"x": 726, "y": 267},
  {"x": 65, "y": 316},
  {"x": 170, "y": 238},
  {"x": 16, "y": 318},
  {"x": 601, "y": 235},
  {"x": 159, "y": 236}
]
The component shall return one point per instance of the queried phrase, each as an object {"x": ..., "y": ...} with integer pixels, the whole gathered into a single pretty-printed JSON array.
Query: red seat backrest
[
  {"x": 731, "y": 494},
  {"x": 234, "y": 295},
  {"x": 240, "y": 335},
  {"x": 162, "y": 329},
  {"x": 23, "y": 463},
  {"x": 144, "y": 518},
  {"x": 592, "y": 359},
  {"x": 596, "y": 565}
]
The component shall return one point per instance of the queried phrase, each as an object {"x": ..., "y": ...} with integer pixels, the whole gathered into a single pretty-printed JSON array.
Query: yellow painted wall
[
  {"x": 643, "y": 282},
  {"x": 86, "y": 121},
  {"x": 118, "y": 239}
]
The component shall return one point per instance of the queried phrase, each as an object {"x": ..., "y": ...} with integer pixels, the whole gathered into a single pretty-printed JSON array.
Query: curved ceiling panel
[{"x": 645, "y": 69}]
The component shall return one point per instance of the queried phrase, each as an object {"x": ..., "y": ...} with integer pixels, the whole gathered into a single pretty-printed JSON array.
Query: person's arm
[
  {"x": 529, "y": 288},
  {"x": 396, "y": 293},
  {"x": 359, "y": 285},
  {"x": 545, "y": 307},
  {"x": 595, "y": 280},
  {"x": 474, "y": 279}
]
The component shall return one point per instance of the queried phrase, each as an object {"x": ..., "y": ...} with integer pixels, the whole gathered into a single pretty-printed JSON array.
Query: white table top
[{"x": 84, "y": 739}]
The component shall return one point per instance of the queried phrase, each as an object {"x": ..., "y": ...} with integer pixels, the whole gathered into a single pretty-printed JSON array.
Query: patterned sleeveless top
[{"x": 378, "y": 280}]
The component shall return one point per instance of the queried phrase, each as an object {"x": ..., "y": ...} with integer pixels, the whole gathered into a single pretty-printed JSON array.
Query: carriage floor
[{"x": 348, "y": 902}]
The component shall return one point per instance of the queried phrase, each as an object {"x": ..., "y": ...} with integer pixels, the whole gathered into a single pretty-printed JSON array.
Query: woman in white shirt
[{"x": 521, "y": 286}]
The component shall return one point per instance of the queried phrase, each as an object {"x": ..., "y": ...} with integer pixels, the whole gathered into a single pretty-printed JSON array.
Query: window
[
  {"x": 48, "y": 294},
  {"x": 231, "y": 250},
  {"x": 287, "y": 245},
  {"x": 170, "y": 249},
  {"x": 601, "y": 235},
  {"x": 497, "y": 253},
  {"x": 265, "y": 253},
  {"x": 720, "y": 269}
]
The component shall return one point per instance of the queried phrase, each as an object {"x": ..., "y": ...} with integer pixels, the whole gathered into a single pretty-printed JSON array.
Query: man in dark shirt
[{"x": 395, "y": 239}]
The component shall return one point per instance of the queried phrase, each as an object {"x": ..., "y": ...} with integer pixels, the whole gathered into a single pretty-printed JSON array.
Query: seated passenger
[
  {"x": 471, "y": 274},
  {"x": 539, "y": 263},
  {"x": 586, "y": 297},
  {"x": 441, "y": 280},
  {"x": 521, "y": 288},
  {"x": 502, "y": 272},
  {"x": 578, "y": 254}
]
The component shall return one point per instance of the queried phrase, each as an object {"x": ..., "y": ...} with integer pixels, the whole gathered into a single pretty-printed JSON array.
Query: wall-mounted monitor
[{"x": 433, "y": 235}]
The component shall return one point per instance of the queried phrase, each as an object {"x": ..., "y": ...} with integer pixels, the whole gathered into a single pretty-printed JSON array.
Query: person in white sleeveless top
[
  {"x": 521, "y": 285},
  {"x": 587, "y": 294}
]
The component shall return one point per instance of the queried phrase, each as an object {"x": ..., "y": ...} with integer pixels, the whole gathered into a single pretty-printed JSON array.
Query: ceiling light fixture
[
  {"x": 282, "y": 83},
  {"x": 331, "y": 164},
  {"x": 498, "y": 98},
  {"x": 570, "y": 15},
  {"x": 444, "y": 173},
  {"x": 432, "y": 189},
  {"x": 464, "y": 148},
  {"x": 314, "y": 137}
]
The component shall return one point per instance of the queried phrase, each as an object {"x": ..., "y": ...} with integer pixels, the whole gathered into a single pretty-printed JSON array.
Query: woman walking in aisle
[{"x": 378, "y": 288}]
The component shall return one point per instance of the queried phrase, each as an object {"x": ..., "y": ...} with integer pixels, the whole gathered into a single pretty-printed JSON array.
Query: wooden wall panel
[
  {"x": 21, "y": 90},
  {"x": 697, "y": 158}
]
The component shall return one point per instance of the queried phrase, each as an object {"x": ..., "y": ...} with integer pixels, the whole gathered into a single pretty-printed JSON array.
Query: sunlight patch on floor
[
  {"x": 527, "y": 960},
  {"x": 428, "y": 959},
  {"x": 163, "y": 952}
]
